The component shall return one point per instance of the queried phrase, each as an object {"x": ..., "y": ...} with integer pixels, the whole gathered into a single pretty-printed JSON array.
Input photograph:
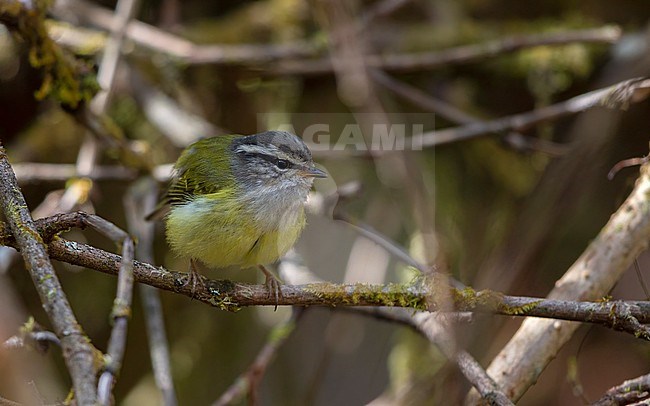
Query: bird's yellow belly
[{"x": 217, "y": 234}]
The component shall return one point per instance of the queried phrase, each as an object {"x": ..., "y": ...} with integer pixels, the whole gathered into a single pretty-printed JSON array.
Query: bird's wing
[{"x": 195, "y": 175}]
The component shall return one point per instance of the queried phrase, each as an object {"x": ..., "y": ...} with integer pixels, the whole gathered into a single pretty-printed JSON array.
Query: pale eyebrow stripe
[
  {"x": 264, "y": 153},
  {"x": 255, "y": 149}
]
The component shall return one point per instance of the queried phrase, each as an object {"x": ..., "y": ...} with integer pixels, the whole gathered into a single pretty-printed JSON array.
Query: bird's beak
[{"x": 313, "y": 172}]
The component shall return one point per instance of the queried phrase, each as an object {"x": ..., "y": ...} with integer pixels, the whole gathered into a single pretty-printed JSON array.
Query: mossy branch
[
  {"x": 78, "y": 352},
  {"x": 68, "y": 80},
  {"x": 628, "y": 316}
]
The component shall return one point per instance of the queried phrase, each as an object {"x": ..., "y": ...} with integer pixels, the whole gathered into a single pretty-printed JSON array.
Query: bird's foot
[
  {"x": 193, "y": 279},
  {"x": 273, "y": 284}
]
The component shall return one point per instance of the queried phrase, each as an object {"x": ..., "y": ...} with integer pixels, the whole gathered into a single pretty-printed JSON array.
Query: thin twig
[
  {"x": 228, "y": 295},
  {"x": 32, "y": 172},
  {"x": 626, "y": 163},
  {"x": 639, "y": 275},
  {"x": 88, "y": 155},
  {"x": 619, "y": 95},
  {"x": 451, "y": 113},
  {"x": 459, "y": 55},
  {"x": 155, "y": 39},
  {"x": 434, "y": 326},
  {"x": 250, "y": 380},
  {"x": 390, "y": 246},
  {"x": 28, "y": 172},
  {"x": 141, "y": 199},
  {"x": 42, "y": 339},
  {"x": 121, "y": 312},
  {"x": 436, "y": 332},
  {"x": 629, "y": 392},
  {"x": 78, "y": 353},
  {"x": 379, "y": 9},
  {"x": 125, "y": 10},
  {"x": 180, "y": 126},
  {"x": 149, "y": 37}
]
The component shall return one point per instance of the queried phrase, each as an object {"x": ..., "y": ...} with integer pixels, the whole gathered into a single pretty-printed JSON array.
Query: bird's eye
[{"x": 282, "y": 164}]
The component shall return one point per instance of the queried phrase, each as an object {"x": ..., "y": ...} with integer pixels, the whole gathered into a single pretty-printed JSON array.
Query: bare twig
[
  {"x": 77, "y": 351},
  {"x": 228, "y": 295},
  {"x": 125, "y": 10},
  {"x": 28, "y": 172},
  {"x": 89, "y": 151},
  {"x": 629, "y": 392},
  {"x": 41, "y": 340},
  {"x": 431, "y": 325},
  {"x": 86, "y": 160},
  {"x": 181, "y": 127},
  {"x": 619, "y": 95},
  {"x": 121, "y": 311},
  {"x": 141, "y": 199},
  {"x": 626, "y": 163},
  {"x": 383, "y": 241},
  {"x": 379, "y": 9},
  {"x": 436, "y": 332},
  {"x": 459, "y": 55},
  {"x": 250, "y": 380},
  {"x": 149, "y": 37},
  {"x": 451, "y": 113},
  {"x": 594, "y": 274}
]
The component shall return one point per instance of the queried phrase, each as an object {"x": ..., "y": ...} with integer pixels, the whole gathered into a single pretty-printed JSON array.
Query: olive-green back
[{"x": 202, "y": 168}]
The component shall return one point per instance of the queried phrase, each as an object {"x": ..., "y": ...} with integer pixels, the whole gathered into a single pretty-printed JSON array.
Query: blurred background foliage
[{"x": 491, "y": 213}]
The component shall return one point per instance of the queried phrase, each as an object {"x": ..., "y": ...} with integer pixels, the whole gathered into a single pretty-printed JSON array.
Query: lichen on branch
[{"x": 70, "y": 81}]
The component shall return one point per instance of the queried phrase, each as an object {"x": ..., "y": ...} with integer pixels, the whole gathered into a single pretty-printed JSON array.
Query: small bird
[{"x": 238, "y": 200}]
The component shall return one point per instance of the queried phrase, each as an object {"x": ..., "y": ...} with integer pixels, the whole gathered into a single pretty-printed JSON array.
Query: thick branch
[
  {"x": 77, "y": 350},
  {"x": 228, "y": 295},
  {"x": 594, "y": 274}
]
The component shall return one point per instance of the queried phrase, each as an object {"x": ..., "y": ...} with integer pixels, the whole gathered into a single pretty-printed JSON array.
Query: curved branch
[
  {"x": 611, "y": 253},
  {"x": 78, "y": 353}
]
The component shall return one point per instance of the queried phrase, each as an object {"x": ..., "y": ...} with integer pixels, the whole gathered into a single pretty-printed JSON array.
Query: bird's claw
[
  {"x": 273, "y": 285},
  {"x": 193, "y": 279}
]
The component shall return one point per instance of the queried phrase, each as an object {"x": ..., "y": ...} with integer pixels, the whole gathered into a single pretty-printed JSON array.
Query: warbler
[{"x": 237, "y": 200}]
